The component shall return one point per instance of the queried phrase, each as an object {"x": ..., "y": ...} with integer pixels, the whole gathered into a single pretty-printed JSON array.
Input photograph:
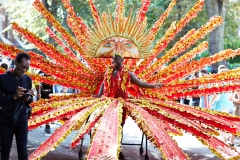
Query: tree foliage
[
  {"x": 23, "y": 13},
  {"x": 232, "y": 30}
]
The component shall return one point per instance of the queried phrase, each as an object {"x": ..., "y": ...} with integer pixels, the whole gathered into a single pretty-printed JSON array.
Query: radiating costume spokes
[{"x": 155, "y": 111}]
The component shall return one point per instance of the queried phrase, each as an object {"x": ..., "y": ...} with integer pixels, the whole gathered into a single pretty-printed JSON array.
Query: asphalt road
[{"x": 132, "y": 134}]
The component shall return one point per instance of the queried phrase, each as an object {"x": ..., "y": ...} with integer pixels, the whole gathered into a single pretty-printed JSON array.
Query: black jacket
[{"x": 8, "y": 86}]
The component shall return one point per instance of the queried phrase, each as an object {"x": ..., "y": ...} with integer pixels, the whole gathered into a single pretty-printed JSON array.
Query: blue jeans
[{"x": 57, "y": 88}]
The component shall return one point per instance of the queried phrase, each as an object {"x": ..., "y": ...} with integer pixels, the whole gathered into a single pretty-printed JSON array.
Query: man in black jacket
[{"x": 15, "y": 97}]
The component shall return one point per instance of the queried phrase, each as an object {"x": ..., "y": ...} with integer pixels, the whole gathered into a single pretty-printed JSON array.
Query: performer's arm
[
  {"x": 100, "y": 93},
  {"x": 142, "y": 84}
]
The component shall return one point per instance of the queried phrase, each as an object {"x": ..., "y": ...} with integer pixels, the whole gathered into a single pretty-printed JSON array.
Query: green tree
[
  {"x": 22, "y": 12},
  {"x": 231, "y": 36}
]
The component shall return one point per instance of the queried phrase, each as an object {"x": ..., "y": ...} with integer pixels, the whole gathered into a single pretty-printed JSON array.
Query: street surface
[{"x": 132, "y": 134}]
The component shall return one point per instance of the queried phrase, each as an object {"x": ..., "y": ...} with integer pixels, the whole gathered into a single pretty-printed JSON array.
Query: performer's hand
[
  {"x": 19, "y": 92},
  {"x": 158, "y": 85},
  {"x": 96, "y": 96}
]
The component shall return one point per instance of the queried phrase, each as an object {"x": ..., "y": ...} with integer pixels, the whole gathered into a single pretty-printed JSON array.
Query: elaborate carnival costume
[{"x": 154, "y": 110}]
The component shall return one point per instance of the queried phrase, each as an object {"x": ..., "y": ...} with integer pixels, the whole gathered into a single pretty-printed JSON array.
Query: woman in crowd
[
  {"x": 221, "y": 102},
  {"x": 194, "y": 101}
]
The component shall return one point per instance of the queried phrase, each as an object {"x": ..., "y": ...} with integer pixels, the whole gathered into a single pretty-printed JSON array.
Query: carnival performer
[
  {"x": 116, "y": 87},
  {"x": 15, "y": 97}
]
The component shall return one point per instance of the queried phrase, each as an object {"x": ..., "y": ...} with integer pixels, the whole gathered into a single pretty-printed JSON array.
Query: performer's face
[
  {"x": 117, "y": 61},
  {"x": 118, "y": 44}
]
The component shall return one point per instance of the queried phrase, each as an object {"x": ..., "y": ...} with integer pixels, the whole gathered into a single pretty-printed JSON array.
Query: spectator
[
  {"x": 34, "y": 83},
  {"x": 235, "y": 98},
  {"x": 222, "y": 67},
  {"x": 185, "y": 100},
  {"x": 44, "y": 90},
  {"x": 194, "y": 101},
  {"x": 15, "y": 97},
  {"x": 5, "y": 66},
  {"x": 204, "y": 100},
  {"x": 221, "y": 102}
]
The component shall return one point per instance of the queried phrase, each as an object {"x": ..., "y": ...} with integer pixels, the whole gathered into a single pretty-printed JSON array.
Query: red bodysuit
[{"x": 117, "y": 86}]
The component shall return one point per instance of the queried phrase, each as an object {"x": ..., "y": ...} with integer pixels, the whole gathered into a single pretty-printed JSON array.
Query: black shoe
[
  {"x": 231, "y": 144},
  {"x": 47, "y": 128},
  {"x": 121, "y": 156}
]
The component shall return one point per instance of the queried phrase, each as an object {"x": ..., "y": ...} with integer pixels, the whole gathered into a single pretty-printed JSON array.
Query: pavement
[{"x": 131, "y": 134}]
